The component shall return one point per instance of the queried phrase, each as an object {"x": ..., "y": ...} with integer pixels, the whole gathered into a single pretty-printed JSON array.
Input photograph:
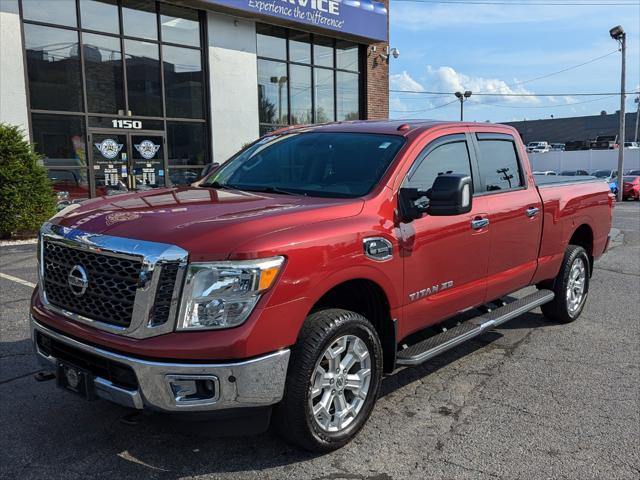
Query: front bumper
[{"x": 256, "y": 382}]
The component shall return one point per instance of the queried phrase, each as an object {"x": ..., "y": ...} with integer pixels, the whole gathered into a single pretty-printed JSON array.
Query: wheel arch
[
  {"x": 368, "y": 298},
  {"x": 583, "y": 237}
]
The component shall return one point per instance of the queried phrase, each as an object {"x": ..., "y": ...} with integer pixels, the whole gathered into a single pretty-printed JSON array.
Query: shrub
[{"x": 26, "y": 196}]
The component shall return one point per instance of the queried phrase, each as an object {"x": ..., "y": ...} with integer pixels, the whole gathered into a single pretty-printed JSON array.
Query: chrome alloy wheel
[
  {"x": 576, "y": 286},
  {"x": 340, "y": 383}
]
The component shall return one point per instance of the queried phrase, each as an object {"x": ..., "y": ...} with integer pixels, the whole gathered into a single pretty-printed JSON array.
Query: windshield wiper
[
  {"x": 221, "y": 186},
  {"x": 282, "y": 191}
]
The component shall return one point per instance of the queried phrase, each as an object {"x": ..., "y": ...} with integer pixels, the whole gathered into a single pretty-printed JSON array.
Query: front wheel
[
  {"x": 333, "y": 381},
  {"x": 571, "y": 287}
]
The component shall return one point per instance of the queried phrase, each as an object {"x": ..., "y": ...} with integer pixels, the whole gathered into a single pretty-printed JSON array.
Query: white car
[
  {"x": 538, "y": 147},
  {"x": 632, "y": 145},
  {"x": 545, "y": 172}
]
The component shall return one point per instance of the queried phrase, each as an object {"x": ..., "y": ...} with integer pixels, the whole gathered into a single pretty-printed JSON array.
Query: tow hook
[{"x": 44, "y": 376}]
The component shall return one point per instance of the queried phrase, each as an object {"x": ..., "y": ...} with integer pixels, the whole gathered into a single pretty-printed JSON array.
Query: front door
[
  {"x": 445, "y": 258},
  {"x": 121, "y": 162}
]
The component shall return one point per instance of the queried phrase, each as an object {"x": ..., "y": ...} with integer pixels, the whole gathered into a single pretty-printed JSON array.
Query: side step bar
[{"x": 429, "y": 348}]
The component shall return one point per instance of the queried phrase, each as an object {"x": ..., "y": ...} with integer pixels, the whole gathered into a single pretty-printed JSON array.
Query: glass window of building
[
  {"x": 100, "y": 15},
  {"x": 140, "y": 87},
  {"x": 61, "y": 12},
  {"x": 139, "y": 19},
  {"x": 179, "y": 25},
  {"x": 305, "y": 78},
  {"x": 143, "y": 78},
  {"x": 183, "y": 82},
  {"x": 103, "y": 73}
]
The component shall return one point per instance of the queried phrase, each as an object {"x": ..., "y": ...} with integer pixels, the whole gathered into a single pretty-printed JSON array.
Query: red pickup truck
[{"x": 316, "y": 260}]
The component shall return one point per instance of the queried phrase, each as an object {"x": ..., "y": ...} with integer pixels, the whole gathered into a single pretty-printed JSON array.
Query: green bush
[{"x": 26, "y": 197}]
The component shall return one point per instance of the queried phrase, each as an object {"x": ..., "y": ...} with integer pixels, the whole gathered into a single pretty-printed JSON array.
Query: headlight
[{"x": 223, "y": 294}]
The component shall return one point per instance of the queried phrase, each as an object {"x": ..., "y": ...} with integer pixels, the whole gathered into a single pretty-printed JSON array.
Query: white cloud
[{"x": 404, "y": 81}]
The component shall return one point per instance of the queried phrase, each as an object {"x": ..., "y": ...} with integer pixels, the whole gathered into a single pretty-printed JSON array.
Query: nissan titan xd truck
[{"x": 286, "y": 283}]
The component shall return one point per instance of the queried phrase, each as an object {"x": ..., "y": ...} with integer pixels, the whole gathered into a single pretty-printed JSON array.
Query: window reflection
[
  {"x": 103, "y": 73},
  {"x": 179, "y": 25},
  {"x": 60, "y": 139},
  {"x": 64, "y": 12},
  {"x": 186, "y": 143},
  {"x": 347, "y": 55},
  {"x": 139, "y": 19},
  {"x": 323, "y": 51},
  {"x": 143, "y": 78},
  {"x": 101, "y": 15},
  {"x": 53, "y": 66},
  {"x": 347, "y": 96},
  {"x": 183, "y": 82},
  {"x": 272, "y": 92},
  {"x": 324, "y": 95},
  {"x": 271, "y": 42},
  {"x": 300, "y": 47},
  {"x": 301, "y": 111}
]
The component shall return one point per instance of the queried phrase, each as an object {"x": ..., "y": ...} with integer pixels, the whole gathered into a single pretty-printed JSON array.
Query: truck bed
[{"x": 545, "y": 180}]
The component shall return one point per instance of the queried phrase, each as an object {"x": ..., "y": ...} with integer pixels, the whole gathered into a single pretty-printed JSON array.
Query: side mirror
[
  {"x": 412, "y": 204},
  {"x": 450, "y": 195}
]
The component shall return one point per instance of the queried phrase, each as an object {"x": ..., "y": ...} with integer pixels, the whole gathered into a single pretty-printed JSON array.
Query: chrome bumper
[{"x": 250, "y": 383}]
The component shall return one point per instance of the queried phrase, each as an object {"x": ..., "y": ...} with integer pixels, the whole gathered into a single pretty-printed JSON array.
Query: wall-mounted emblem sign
[
  {"x": 147, "y": 149},
  {"x": 361, "y": 18},
  {"x": 109, "y": 148}
]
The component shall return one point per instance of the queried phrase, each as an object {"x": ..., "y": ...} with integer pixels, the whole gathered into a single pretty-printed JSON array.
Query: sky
[{"x": 504, "y": 48}]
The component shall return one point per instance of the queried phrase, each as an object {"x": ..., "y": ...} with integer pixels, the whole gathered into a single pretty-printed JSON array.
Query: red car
[
  {"x": 295, "y": 275},
  {"x": 631, "y": 187}
]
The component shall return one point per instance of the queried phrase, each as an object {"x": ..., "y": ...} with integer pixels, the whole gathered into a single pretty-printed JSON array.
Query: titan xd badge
[{"x": 378, "y": 248}]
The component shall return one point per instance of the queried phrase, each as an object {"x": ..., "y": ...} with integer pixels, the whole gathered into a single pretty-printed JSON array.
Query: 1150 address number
[{"x": 132, "y": 124}]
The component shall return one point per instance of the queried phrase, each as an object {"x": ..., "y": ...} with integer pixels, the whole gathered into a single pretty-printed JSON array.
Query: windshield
[
  {"x": 322, "y": 164},
  {"x": 628, "y": 179},
  {"x": 602, "y": 173}
]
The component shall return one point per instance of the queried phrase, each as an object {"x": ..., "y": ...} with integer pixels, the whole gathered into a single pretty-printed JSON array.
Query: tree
[{"x": 26, "y": 196}]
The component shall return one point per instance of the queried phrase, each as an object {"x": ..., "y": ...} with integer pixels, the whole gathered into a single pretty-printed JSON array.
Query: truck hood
[{"x": 210, "y": 224}]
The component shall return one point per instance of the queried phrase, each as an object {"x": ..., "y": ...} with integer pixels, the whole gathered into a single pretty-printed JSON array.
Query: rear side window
[
  {"x": 451, "y": 157},
  {"x": 498, "y": 164}
]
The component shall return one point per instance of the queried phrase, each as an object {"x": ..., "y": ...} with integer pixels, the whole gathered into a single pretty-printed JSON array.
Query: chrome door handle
[
  {"x": 479, "y": 223},
  {"x": 532, "y": 212}
]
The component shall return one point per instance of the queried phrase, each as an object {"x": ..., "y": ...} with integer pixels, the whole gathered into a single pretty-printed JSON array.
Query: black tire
[
  {"x": 558, "y": 309},
  {"x": 293, "y": 417}
]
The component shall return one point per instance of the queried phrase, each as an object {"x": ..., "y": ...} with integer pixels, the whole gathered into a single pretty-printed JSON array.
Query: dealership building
[{"x": 121, "y": 95}]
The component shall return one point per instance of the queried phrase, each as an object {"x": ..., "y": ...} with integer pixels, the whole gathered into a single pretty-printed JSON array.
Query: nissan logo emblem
[{"x": 78, "y": 280}]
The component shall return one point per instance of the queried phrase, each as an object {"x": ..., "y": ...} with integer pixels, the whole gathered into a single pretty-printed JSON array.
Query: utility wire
[
  {"x": 486, "y": 94},
  {"x": 521, "y": 3}
]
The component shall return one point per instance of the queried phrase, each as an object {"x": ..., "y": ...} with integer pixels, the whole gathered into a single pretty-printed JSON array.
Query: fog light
[{"x": 189, "y": 390}]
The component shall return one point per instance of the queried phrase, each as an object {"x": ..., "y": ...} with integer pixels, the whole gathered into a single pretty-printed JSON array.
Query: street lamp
[
  {"x": 281, "y": 82},
  {"x": 617, "y": 33},
  {"x": 463, "y": 97},
  {"x": 635, "y": 132}
]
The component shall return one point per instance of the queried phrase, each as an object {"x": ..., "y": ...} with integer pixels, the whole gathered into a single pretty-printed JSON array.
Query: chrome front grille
[
  {"x": 129, "y": 287},
  {"x": 112, "y": 283}
]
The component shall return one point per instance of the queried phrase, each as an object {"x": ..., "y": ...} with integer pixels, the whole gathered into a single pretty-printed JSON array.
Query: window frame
[
  {"x": 439, "y": 142},
  {"x": 312, "y": 65},
  {"x": 476, "y": 138}
]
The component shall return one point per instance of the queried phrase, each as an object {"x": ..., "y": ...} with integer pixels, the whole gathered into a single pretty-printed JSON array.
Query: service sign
[{"x": 361, "y": 18}]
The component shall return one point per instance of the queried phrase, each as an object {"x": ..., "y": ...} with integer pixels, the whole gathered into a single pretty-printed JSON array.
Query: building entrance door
[{"x": 126, "y": 161}]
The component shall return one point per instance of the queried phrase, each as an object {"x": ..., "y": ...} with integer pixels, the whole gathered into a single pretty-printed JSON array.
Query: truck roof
[{"x": 402, "y": 127}]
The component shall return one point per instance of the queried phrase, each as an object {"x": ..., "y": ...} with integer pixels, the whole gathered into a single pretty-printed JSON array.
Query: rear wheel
[
  {"x": 333, "y": 381},
  {"x": 571, "y": 287}
]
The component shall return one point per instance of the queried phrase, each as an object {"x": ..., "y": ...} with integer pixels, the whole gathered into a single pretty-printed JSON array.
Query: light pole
[
  {"x": 635, "y": 132},
  {"x": 463, "y": 97},
  {"x": 617, "y": 33},
  {"x": 281, "y": 82}
]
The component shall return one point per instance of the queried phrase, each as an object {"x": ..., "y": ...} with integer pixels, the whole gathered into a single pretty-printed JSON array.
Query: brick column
[{"x": 376, "y": 82}]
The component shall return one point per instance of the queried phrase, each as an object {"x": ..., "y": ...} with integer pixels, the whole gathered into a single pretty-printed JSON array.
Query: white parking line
[{"x": 17, "y": 280}]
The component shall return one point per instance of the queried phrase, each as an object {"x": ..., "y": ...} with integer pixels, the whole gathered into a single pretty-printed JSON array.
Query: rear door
[
  {"x": 515, "y": 213},
  {"x": 445, "y": 258}
]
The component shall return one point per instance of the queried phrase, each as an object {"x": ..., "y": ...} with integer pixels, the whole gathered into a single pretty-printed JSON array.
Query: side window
[
  {"x": 452, "y": 157},
  {"x": 499, "y": 167}
]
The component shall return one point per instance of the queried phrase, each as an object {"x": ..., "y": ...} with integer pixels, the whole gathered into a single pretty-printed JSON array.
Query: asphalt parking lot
[{"x": 533, "y": 400}]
